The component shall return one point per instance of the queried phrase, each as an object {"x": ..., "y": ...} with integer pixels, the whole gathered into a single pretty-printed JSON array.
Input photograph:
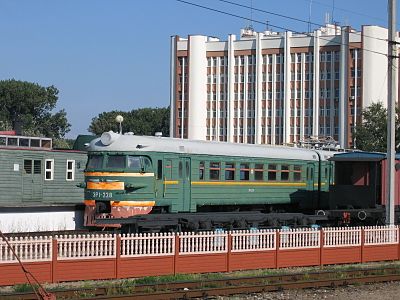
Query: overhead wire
[
  {"x": 293, "y": 18},
  {"x": 274, "y": 26}
]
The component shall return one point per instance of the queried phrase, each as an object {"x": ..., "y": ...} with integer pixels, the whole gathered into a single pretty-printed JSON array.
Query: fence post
[
  {"x": 117, "y": 255},
  {"x": 228, "y": 255},
  {"x": 54, "y": 254},
  {"x": 176, "y": 252},
  {"x": 362, "y": 244},
  {"x": 278, "y": 239},
  {"x": 321, "y": 246}
]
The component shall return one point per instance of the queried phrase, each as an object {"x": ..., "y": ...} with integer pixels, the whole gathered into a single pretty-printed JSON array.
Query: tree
[
  {"x": 27, "y": 106},
  {"x": 371, "y": 134},
  {"x": 142, "y": 121}
]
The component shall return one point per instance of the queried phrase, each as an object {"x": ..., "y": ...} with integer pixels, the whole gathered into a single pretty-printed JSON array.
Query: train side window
[
  {"x": 134, "y": 163},
  {"x": 258, "y": 172},
  {"x": 146, "y": 164},
  {"x": 272, "y": 172},
  {"x": 244, "y": 171},
  {"x": 49, "y": 169},
  {"x": 297, "y": 173},
  {"x": 229, "y": 171},
  {"x": 284, "y": 172},
  {"x": 201, "y": 170},
  {"x": 28, "y": 166},
  {"x": 180, "y": 169},
  {"x": 214, "y": 170},
  {"x": 168, "y": 169},
  {"x": 159, "y": 169}
]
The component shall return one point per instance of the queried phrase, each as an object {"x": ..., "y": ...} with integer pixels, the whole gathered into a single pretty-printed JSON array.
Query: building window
[
  {"x": 70, "y": 170},
  {"x": 49, "y": 169}
]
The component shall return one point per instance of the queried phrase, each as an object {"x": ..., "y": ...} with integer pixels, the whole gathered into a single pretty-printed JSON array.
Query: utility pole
[{"x": 392, "y": 96}]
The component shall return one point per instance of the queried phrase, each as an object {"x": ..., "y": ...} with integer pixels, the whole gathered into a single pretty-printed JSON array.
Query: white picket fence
[
  {"x": 253, "y": 240},
  {"x": 94, "y": 246},
  {"x": 299, "y": 238},
  {"x": 147, "y": 244},
  {"x": 86, "y": 246},
  {"x": 203, "y": 242},
  {"x": 342, "y": 236},
  {"x": 381, "y": 235},
  {"x": 28, "y": 249}
]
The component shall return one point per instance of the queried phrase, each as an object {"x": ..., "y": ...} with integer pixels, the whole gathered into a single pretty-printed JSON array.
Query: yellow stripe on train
[{"x": 106, "y": 174}]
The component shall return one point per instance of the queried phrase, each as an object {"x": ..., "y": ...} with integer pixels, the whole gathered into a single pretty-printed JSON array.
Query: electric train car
[{"x": 159, "y": 183}]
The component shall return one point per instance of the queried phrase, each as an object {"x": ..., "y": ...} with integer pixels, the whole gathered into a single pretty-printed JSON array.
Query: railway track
[{"x": 226, "y": 286}]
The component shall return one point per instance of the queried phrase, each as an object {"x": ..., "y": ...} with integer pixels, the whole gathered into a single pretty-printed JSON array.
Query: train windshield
[
  {"x": 116, "y": 162},
  {"x": 95, "y": 162}
]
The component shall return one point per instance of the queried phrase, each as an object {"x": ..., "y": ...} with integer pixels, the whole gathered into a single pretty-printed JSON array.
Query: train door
[
  {"x": 310, "y": 177},
  {"x": 184, "y": 171},
  {"x": 32, "y": 179}
]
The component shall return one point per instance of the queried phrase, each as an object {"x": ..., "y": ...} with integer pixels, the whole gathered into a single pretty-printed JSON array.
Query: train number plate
[{"x": 102, "y": 195}]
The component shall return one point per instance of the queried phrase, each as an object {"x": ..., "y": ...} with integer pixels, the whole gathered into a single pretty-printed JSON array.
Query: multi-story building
[{"x": 276, "y": 88}]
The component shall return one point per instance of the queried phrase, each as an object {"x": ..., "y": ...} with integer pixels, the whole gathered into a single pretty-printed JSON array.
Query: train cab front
[{"x": 117, "y": 186}]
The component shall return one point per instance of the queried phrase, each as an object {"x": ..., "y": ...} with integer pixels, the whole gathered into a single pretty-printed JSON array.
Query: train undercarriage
[{"x": 239, "y": 219}]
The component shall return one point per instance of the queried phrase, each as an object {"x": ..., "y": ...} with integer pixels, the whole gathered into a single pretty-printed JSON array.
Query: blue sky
[{"x": 108, "y": 55}]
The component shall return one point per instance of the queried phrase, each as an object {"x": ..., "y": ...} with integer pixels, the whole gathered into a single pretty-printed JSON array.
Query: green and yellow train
[{"x": 158, "y": 183}]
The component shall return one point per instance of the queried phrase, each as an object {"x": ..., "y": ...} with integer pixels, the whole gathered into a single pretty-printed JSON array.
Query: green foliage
[
  {"x": 371, "y": 134},
  {"x": 23, "y": 288},
  {"x": 142, "y": 121},
  {"x": 29, "y": 106}
]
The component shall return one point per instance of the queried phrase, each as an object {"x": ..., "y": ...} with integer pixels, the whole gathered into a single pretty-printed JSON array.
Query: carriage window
[
  {"x": 168, "y": 169},
  {"x": 134, "y": 163},
  {"x": 95, "y": 162},
  {"x": 37, "y": 167},
  {"x": 146, "y": 164},
  {"x": 115, "y": 162},
  {"x": 180, "y": 169},
  {"x": 285, "y": 172},
  {"x": 49, "y": 169},
  {"x": 159, "y": 169},
  {"x": 70, "y": 176},
  {"x": 272, "y": 172},
  {"x": 201, "y": 170},
  {"x": 28, "y": 166},
  {"x": 296, "y": 173},
  {"x": 229, "y": 171},
  {"x": 244, "y": 171},
  {"x": 259, "y": 172},
  {"x": 214, "y": 170}
]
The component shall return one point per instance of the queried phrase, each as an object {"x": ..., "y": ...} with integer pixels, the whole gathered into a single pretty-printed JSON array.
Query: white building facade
[{"x": 276, "y": 88}]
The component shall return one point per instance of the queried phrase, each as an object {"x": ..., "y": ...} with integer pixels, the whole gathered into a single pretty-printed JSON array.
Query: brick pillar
[
  {"x": 362, "y": 245},
  {"x": 228, "y": 255},
  {"x": 278, "y": 238},
  {"x": 176, "y": 253},
  {"x": 54, "y": 254},
  {"x": 321, "y": 247},
  {"x": 117, "y": 256}
]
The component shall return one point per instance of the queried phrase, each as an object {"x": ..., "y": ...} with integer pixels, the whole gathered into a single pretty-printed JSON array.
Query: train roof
[
  {"x": 111, "y": 141},
  {"x": 361, "y": 156}
]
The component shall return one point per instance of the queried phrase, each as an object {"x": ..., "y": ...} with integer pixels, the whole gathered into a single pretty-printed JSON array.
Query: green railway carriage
[
  {"x": 129, "y": 177},
  {"x": 36, "y": 180}
]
